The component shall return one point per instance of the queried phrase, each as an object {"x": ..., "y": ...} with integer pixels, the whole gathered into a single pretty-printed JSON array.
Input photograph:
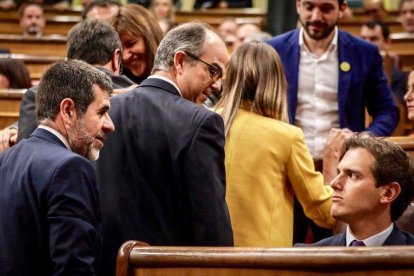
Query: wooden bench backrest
[{"x": 136, "y": 259}]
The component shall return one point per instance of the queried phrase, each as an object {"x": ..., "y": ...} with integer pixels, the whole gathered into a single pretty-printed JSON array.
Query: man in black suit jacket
[
  {"x": 161, "y": 175},
  {"x": 94, "y": 42},
  {"x": 373, "y": 187},
  {"x": 50, "y": 222}
]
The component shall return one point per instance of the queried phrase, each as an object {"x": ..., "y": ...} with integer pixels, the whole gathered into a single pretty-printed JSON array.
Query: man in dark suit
[
  {"x": 161, "y": 175},
  {"x": 373, "y": 187},
  {"x": 333, "y": 78},
  {"x": 50, "y": 222},
  {"x": 94, "y": 42}
]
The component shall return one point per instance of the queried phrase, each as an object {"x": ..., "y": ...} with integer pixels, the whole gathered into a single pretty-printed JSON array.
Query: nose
[
  {"x": 217, "y": 86},
  {"x": 337, "y": 182},
  {"x": 409, "y": 95},
  {"x": 316, "y": 14},
  {"x": 108, "y": 125}
]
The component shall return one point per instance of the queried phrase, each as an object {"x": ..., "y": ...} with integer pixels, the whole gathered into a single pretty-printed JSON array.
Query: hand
[
  {"x": 332, "y": 151},
  {"x": 8, "y": 137}
]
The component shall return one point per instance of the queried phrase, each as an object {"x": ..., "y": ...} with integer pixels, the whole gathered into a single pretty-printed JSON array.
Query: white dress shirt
[
  {"x": 317, "y": 106},
  {"x": 376, "y": 240},
  {"x": 57, "y": 134}
]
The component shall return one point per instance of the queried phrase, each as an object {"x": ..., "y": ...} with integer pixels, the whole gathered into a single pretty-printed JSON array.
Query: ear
[
  {"x": 179, "y": 59},
  {"x": 390, "y": 192},
  {"x": 68, "y": 112},
  {"x": 116, "y": 61},
  {"x": 298, "y": 4}
]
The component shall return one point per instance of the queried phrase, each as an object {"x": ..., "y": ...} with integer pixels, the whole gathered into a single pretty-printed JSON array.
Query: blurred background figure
[
  {"x": 32, "y": 19},
  {"x": 140, "y": 35},
  {"x": 378, "y": 33},
  {"x": 244, "y": 31},
  {"x": 409, "y": 97},
  {"x": 211, "y": 4},
  {"x": 227, "y": 31},
  {"x": 374, "y": 9},
  {"x": 14, "y": 74},
  {"x": 407, "y": 15},
  {"x": 260, "y": 36},
  {"x": 164, "y": 12},
  {"x": 7, "y": 5},
  {"x": 101, "y": 9}
]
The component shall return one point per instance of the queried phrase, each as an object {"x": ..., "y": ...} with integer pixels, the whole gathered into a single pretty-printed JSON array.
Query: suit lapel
[
  {"x": 345, "y": 58},
  {"x": 396, "y": 238},
  {"x": 292, "y": 59}
]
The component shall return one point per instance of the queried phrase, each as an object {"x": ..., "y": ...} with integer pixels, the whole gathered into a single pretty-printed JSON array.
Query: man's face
[
  {"x": 374, "y": 36},
  {"x": 32, "y": 21},
  {"x": 355, "y": 197},
  {"x": 409, "y": 96},
  {"x": 88, "y": 134},
  {"x": 195, "y": 80},
  {"x": 319, "y": 17},
  {"x": 407, "y": 16}
]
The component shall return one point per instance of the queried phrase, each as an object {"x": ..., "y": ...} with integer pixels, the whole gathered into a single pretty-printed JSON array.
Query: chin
[{"x": 93, "y": 154}]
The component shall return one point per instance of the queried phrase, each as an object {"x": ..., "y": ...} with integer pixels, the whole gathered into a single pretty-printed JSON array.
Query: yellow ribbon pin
[{"x": 345, "y": 66}]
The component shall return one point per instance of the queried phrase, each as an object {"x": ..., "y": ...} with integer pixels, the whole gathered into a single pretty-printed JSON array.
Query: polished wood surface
[
  {"x": 406, "y": 142},
  {"x": 157, "y": 260},
  {"x": 10, "y": 105},
  {"x": 44, "y": 46}
]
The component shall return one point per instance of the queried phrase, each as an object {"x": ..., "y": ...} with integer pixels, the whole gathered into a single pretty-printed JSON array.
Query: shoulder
[
  {"x": 356, "y": 42},
  {"x": 337, "y": 240},
  {"x": 279, "y": 40}
]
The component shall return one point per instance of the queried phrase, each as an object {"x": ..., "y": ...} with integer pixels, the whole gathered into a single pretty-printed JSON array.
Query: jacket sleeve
[
  {"x": 308, "y": 185},
  {"x": 73, "y": 219},
  {"x": 27, "y": 115},
  {"x": 204, "y": 174}
]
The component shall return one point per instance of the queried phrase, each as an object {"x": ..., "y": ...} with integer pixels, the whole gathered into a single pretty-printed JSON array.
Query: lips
[{"x": 336, "y": 198}]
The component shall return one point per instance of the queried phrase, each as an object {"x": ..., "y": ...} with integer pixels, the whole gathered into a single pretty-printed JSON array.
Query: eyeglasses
[{"x": 215, "y": 72}]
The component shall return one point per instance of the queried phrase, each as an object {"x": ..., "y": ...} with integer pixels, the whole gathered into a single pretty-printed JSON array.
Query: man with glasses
[{"x": 161, "y": 175}]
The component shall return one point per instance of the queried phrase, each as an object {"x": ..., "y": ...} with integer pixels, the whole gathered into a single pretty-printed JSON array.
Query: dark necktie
[{"x": 357, "y": 243}]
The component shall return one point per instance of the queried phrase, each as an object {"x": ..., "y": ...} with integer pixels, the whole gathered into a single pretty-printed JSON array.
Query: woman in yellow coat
[{"x": 267, "y": 160}]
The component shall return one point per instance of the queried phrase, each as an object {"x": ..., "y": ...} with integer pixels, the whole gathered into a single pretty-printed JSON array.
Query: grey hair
[{"x": 187, "y": 37}]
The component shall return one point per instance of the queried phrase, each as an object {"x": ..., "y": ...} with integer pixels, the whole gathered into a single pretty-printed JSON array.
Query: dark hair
[
  {"x": 16, "y": 72},
  {"x": 100, "y": 3},
  {"x": 402, "y": 2},
  {"x": 384, "y": 28},
  {"x": 27, "y": 4},
  {"x": 72, "y": 79},
  {"x": 93, "y": 41},
  {"x": 340, "y": 2},
  {"x": 392, "y": 164},
  {"x": 136, "y": 21}
]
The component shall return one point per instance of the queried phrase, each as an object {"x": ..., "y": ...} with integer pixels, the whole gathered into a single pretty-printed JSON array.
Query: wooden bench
[
  {"x": 35, "y": 64},
  {"x": 44, "y": 46},
  {"x": 59, "y": 24},
  {"x": 354, "y": 25},
  {"x": 10, "y": 106},
  {"x": 134, "y": 258},
  {"x": 406, "y": 142}
]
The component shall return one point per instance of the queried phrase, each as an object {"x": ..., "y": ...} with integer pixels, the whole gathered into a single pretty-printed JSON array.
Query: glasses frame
[{"x": 216, "y": 72}]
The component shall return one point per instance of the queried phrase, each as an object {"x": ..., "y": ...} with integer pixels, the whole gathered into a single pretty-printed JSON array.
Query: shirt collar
[
  {"x": 334, "y": 42},
  {"x": 167, "y": 80},
  {"x": 57, "y": 134},
  {"x": 376, "y": 240}
]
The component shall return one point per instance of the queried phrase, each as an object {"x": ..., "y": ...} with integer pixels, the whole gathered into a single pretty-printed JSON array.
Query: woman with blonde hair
[
  {"x": 267, "y": 160},
  {"x": 140, "y": 35}
]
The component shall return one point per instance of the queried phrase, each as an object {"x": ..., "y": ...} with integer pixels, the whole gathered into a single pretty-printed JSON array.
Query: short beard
[
  {"x": 327, "y": 31},
  {"x": 81, "y": 141}
]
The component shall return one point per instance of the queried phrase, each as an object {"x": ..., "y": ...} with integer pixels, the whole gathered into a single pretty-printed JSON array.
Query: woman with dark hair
[
  {"x": 140, "y": 35},
  {"x": 267, "y": 160},
  {"x": 14, "y": 74}
]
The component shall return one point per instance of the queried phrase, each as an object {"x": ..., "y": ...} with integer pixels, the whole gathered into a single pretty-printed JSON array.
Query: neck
[
  {"x": 56, "y": 125},
  {"x": 368, "y": 227},
  {"x": 318, "y": 47}
]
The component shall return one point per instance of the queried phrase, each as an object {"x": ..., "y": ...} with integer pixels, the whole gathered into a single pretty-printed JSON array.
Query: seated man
[
  {"x": 373, "y": 187},
  {"x": 407, "y": 15},
  {"x": 374, "y": 9},
  {"x": 50, "y": 221},
  {"x": 378, "y": 33},
  {"x": 32, "y": 19}
]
